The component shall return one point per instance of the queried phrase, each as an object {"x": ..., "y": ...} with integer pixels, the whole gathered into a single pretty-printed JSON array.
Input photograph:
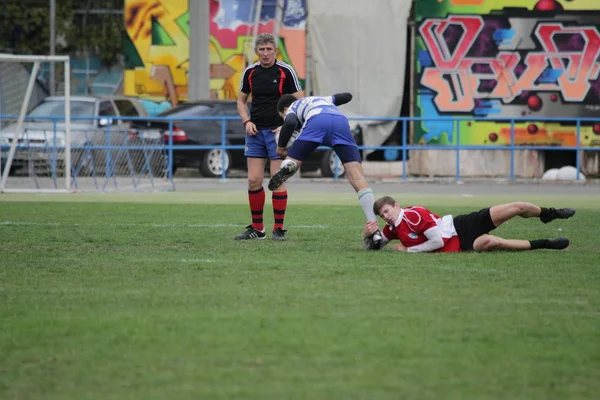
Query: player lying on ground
[
  {"x": 421, "y": 231},
  {"x": 320, "y": 122}
]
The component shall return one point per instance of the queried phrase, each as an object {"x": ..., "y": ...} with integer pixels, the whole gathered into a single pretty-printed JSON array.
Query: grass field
[{"x": 148, "y": 297}]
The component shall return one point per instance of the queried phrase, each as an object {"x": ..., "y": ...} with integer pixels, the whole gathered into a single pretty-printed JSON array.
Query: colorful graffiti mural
[
  {"x": 507, "y": 59},
  {"x": 156, "y": 52},
  {"x": 157, "y": 46},
  {"x": 231, "y": 47}
]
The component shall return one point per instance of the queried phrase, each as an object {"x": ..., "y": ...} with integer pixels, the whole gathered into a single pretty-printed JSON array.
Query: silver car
[{"x": 98, "y": 139}]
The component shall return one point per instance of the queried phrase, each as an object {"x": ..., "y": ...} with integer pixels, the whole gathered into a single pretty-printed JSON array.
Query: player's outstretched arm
[
  {"x": 341, "y": 98},
  {"x": 287, "y": 129},
  {"x": 435, "y": 241}
]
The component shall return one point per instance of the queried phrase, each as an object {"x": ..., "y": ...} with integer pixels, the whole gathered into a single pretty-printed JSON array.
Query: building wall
[
  {"x": 231, "y": 25},
  {"x": 157, "y": 46},
  {"x": 526, "y": 59}
]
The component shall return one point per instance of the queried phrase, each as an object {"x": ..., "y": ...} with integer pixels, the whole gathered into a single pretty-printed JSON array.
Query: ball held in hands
[{"x": 290, "y": 142}]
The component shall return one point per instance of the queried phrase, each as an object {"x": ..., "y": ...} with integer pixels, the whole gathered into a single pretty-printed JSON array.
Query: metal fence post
[
  {"x": 457, "y": 150},
  {"x": 53, "y": 158},
  {"x": 577, "y": 158},
  {"x": 170, "y": 150},
  {"x": 512, "y": 149},
  {"x": 223, "y": 150},
  {"x": 404, "y": 150}
]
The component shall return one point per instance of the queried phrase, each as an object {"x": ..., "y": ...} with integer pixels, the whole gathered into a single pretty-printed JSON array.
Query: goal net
[
  {"x": 68, "y": 143},
  {"x": 24, "y": 148}
]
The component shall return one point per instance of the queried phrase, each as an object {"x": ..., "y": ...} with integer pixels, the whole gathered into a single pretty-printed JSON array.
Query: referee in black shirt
[{"x": 266, "y": 80}]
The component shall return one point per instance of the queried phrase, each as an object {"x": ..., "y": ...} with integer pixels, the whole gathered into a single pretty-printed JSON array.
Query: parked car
[
  {"x": 41, "y": 134},
  {"x": 208, "y": 132}
]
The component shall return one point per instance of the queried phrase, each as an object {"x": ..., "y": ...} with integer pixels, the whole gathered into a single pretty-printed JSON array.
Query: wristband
[{"x": 245, "y": 122}]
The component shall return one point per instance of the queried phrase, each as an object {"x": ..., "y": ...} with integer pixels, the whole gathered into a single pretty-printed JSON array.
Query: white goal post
[{"x": 18, "y": 131}]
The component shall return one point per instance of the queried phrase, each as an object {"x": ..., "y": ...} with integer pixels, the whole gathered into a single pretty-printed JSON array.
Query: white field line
[{"x": 34, "y": 223}]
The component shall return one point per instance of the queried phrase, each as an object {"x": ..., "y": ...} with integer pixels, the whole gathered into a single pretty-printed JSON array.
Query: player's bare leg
[
  {"x": 503, "y": 212},
  {"x": 490, "y": 243},
  {"x": 356, "y": 177},
  {"x": 256, "y": 172}
]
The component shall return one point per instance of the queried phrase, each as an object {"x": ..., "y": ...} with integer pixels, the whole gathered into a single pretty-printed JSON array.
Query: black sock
[
  {"x": 538, "y": 244},
  {"x": 545, "y": 212}
]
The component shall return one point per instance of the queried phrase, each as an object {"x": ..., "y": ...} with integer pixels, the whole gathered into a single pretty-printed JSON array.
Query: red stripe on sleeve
[
  {"x": 250, "y": 79},
  {"x": 281, "y": 80}
]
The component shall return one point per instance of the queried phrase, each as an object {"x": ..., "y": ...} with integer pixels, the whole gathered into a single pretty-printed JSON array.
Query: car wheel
[
  {"x": 328, "y": 165},
  {"x": 212, "y": 163}
]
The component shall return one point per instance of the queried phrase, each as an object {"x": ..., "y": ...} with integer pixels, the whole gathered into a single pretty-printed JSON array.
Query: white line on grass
[
  {"x": 154, "y": 225},
  {"x": 29, "y": 223}
]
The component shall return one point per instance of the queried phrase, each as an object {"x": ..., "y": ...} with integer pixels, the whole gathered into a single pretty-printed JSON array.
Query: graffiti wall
[
  {"x": 157, "y": 46},
  {"x": 231, "y": 47},
  {"x": 156, "y": 52},
  {"x": 526, "y": 59}
]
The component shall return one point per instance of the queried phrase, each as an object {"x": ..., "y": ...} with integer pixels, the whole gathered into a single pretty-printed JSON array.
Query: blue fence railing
[{"x": 169, "y": 146}]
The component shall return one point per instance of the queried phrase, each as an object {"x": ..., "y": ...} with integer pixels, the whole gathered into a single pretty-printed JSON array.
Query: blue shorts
[
  {"x": 262, "y": 145},
  {"x": 330, "y": 130}
]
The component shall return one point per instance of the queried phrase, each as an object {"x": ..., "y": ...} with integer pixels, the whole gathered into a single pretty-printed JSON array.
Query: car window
[
  {"x": 187, "y": 110},
  {"x": 106, "y": 109},
  {"x": 231, "y": 109},
  {"x": 56, "y": 108},
  {"x": 126, "y": 108}
]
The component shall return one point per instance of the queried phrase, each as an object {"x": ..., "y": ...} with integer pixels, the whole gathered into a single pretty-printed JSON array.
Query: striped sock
[
  {"x": 279, "y": 205},
  {"x": 256, "y": 198}
]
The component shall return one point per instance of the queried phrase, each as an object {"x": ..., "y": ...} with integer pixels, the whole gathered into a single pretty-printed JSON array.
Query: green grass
[{"x": 141, "y": 300}]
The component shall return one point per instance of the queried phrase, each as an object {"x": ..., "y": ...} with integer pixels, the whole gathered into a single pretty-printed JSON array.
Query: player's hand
[
  {"x": 251, "y": 128},
  {"x": 276, "y": 130},
  {"x": 400, "y": 247},
  {"x": 370, "y": 228},
  {"x": 281, "y": 152}
]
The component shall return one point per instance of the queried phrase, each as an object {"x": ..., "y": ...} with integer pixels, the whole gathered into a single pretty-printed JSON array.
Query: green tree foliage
[
  {"x": 25, "y": 28},
  {"x": 25, "y": 25}
]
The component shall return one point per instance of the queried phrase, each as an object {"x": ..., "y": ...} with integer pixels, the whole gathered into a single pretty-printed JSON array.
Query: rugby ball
[{"x": 290, "y": 142}]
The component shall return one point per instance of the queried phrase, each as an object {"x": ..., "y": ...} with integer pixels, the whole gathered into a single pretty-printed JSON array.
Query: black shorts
[{"x": 470, "y": 226}]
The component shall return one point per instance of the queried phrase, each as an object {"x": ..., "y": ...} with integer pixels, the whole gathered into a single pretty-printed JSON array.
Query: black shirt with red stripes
[{"x": 267, "y": 85}]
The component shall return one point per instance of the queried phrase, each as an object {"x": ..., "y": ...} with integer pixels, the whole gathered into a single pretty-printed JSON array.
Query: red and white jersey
[{"x": 413, "y": 221}]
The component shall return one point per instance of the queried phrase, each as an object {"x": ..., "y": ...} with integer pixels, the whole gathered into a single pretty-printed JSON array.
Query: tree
[
  {"x": 24, "y": 25},
  {"x": 80, "y": 29}
]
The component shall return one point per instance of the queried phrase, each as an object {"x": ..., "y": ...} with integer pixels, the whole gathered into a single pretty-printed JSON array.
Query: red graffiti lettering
[
  {"x": 459, "y": 91},
  {"x": 432, "y": 32},
  {"x": 575, "y": 80},
  {"x": 453, "y": 100}
]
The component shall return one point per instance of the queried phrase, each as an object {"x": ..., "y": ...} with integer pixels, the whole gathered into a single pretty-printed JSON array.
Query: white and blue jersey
[
  {"x": 320, "y": 121},
  {"x": 308, "y": 107}
]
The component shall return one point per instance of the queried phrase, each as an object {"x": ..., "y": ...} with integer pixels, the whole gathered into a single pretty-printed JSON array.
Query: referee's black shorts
[{"x": 470, "y": 226}]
